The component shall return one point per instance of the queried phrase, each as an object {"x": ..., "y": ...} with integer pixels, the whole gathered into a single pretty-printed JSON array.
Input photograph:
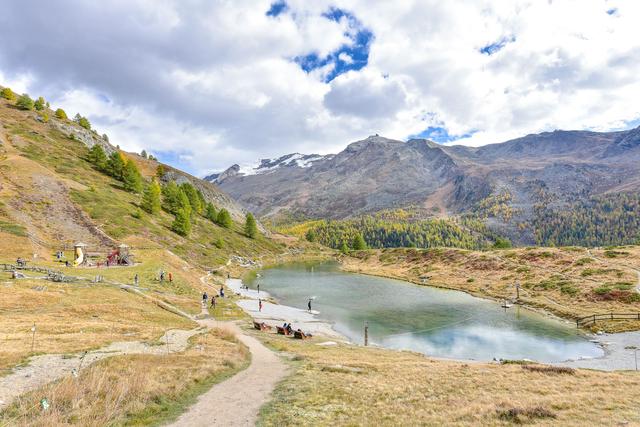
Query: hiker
[
  {"x": 135, "y": 279},
  {"x": 66, "y": 263},
  {"x": 288, "y": 327},
  {"x": 309, "y": 305},
  {"x": 258, "y": 288},
  {"x": 170, "y": 277},
  {"x": 259, "y": 305},
  {"x": 161, "y": 276},
  {"x": 221, "y": 291},
  {"x": 204, "y": 298},
  {"x": 213, "y": 302}
]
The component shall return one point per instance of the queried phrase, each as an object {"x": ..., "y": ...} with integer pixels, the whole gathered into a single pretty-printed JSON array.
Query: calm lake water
[{"x": 432, "y": 321}]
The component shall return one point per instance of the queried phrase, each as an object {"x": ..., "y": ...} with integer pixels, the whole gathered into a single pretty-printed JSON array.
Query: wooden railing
[{"x": 588, "y": 320}]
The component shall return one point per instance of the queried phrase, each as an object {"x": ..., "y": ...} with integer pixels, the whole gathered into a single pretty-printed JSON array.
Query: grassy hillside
[{"x": 52, "y": 196}]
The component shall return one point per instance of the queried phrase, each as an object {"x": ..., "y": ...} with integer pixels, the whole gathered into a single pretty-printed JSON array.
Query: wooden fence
[{"x": 588, "y": 320}]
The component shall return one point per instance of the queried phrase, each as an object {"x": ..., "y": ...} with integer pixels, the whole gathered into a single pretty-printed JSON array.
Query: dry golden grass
[
  {"x": 133, "y": 390},
  {"x": 71, "y": 317},
  {"x": 560, "y": 280},
  {"x": 347, "y": 385}
]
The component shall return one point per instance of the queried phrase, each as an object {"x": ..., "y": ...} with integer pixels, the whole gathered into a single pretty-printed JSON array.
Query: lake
[{"x": 436, "y": 322}]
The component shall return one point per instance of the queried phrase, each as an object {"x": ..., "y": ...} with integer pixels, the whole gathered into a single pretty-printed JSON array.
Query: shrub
[
  {"x": 210, "y": 212},
  {"x": 311, "y": 235},
  {"x": 8, "y": 94},
  {"x": 60, "y": 114},
  {"x": 219, "y": 243},
  {"x": 502, "y": 243},
  {"x": 40, "y": 104},
  {"x": 602, "y": 290},
  {"x": 25, "y": 102}
]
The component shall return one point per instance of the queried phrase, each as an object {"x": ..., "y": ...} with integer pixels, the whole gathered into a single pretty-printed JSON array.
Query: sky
[{"x": 206, "y": 84}]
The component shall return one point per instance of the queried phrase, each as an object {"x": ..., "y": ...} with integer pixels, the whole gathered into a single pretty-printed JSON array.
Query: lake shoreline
[{"x": 274, "y": 314}]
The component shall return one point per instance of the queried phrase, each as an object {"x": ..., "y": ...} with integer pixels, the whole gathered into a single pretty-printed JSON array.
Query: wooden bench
[
  {"x": 301, "y": 335},
  {"x": 282, "y": 331},
  {"x": 261, "y": 326}
]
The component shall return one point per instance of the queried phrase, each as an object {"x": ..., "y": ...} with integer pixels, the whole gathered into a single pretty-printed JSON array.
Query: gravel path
[
  {"x": 236, "y": 401},
  {"x": 50, "y": 367}
]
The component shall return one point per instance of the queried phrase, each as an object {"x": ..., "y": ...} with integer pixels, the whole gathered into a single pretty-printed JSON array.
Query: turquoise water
[{"x": 436, "y": 322}]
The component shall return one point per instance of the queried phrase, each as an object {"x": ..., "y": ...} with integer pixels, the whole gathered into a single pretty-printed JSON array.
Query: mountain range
[{"x": 502, "y": 183}]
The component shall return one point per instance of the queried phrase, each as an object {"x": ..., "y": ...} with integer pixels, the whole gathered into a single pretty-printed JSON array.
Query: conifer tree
[
  {"x": 131, "y": 177},
  {"x": 192, "y": 195},
  {"x": 250, "y": 226},
  {"x": 115, "y": 165},
  {"x": 98, "y": 157},
  {"x": 171, "y": 197},
  {"x": 151, "y": 197},
  {"x": 344, "y": 248},
  {"x": 311, "y": 235},
  {"x": 224, "y": 219},
  {"x": 358, "y": 243},
  {"x": 182, "y": 223},
  {"x": 210, "y": 212}
]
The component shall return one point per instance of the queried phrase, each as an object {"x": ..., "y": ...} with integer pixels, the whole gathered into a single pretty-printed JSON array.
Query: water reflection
[{"x": 433, "y": 321}]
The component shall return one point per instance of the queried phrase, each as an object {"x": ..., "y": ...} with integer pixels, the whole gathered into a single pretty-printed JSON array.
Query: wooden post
[
  {"x": 366, "y": 333},
  {"x": 33, "y": 337}
]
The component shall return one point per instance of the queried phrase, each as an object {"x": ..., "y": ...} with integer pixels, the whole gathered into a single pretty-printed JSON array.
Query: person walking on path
[
  {"x": 258, "y": 288},
  {"x": 135, "y": 279},
  {"x": 213, "y": 302},
  {"x": 170, "y": 277},
  {"x": 259, "y": 305},
  {"x": 221, "y": 291},
  {"x": 204, "y": 298},
  {"x": 309, "y": 305}
]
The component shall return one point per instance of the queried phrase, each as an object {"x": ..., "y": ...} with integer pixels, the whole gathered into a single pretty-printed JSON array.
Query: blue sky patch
[
  {"x": 277, "y": 8},
  {"x": 492, "y": 48},
  {"x": 440, "y": 135},
  {"x": 353, "y": 56}
]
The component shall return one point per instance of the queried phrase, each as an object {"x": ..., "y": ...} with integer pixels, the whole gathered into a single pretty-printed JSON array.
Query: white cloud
[{"x": 215, "y": 83}]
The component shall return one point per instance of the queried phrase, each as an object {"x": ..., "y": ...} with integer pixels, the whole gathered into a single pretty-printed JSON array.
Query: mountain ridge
[{"x": 550, "y": 169}]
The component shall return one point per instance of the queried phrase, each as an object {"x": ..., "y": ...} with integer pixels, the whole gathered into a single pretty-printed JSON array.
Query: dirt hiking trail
[{"x": 236, "y": 401}]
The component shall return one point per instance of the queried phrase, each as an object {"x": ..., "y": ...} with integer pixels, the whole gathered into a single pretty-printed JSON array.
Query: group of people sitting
[{"x": 287, "y": 327}]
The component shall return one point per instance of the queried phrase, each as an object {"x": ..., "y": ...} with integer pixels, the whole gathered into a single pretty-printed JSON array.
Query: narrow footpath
[{"x": 237, "y": 401}]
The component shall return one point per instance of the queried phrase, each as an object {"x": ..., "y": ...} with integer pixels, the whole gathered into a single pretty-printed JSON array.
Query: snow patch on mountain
[{"x": 265, "y": 166}]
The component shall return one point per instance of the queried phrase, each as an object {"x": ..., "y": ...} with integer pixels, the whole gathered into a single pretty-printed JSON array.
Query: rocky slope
[{"x": 502, "y": 182}]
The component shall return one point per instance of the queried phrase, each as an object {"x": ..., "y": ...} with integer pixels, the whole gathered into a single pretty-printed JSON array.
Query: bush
[
  {"x": 82, "y": 121},
  {"x": 210, "y": 212},
  {"x": 40, "y": 104},
  {"x": 502, "y": 243},
  {"x": 219, "y": 243},
  {"x": 8, "y": 94},
  {"x": 60, "y": 114},
  {"x": 25, "y": 102}
]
